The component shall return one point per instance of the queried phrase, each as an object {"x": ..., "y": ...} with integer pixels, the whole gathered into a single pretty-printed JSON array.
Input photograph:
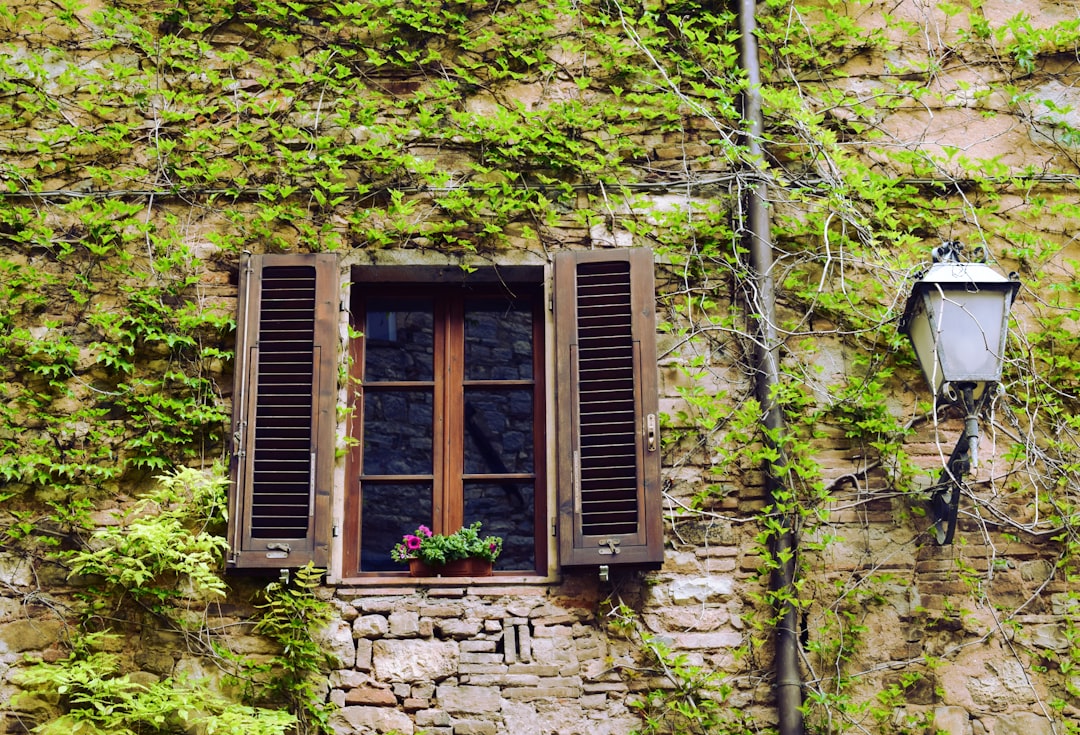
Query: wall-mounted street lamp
[{"x": 957, "y": 318}]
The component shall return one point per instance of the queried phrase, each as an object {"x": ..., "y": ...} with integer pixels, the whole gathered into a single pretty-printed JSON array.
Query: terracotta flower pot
[{"x": 471, "y": 567}]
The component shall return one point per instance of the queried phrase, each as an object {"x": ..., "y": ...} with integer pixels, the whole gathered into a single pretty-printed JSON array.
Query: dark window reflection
[
  {"x": 506, "y": 509},
  {"x": 389, "y": 512},
  {"x": 399, "y": 340},
  {"x": 498, "y": 340},
  {"x": 498, "y": 430},
  {"x": 397, "y": 432}
]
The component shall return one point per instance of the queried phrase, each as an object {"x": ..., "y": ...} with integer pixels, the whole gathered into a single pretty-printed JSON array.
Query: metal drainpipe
[{"x": 788, "y": 678}]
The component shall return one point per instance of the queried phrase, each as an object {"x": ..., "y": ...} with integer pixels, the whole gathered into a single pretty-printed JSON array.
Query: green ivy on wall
[{"x": 146, "y": 143}]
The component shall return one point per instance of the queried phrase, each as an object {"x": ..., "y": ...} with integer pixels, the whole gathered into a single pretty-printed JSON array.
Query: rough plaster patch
[{"x": 692, "y": 590}]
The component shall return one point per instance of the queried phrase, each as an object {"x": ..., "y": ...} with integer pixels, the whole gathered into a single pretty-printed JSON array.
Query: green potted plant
[{"x": 464, "y": 553}]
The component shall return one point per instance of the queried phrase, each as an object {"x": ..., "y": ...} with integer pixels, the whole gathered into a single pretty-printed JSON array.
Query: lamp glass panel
[
  {"x": 969, "y": 326},
  {"x": 924, "y": 341}
]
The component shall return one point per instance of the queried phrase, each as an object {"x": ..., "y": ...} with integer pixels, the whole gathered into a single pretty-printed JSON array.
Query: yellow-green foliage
[
  {"x": 164, "y": 546},
  {"x": 97, "y": 699}
]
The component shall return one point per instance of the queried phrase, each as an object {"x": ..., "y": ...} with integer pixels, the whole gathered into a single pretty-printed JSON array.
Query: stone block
[
  {"x": 482, "y": 669},
  {"x": 562, "y": 619},
  {"x": 953, "y": 720},
  {"x": 370, "y": 626},
  {"x": 1023, "y": 723},
  {"x": 1005, "y": 684},
  {"x": 363, "y": 654},
  {"x": 414, "y": 660},
  {"x": 468, "y": 699},
  {"x": 371, "y": 696},
  {"x": 592, "y": 701},
  {"x": 16, "y": 571},
  {"x": 404, "y": 623},
  {"x": 458, "y": 629},
  {"x": 505, "y": 680},
  {"x": 481, "y": 658},
  {"x": 720, "y": 565},
  {"x": 336, "y": 639},
  {"x": 444, "y": 610},
  {"x": 530, "y": 694},
  {"x": 535, "y": 669},
  {"x": 384, "y": 605},
  {"x": 432, "y": 718},
  {"x": 475, "y": 727},
  {"x": 345, "y": 610},
  {"x": 484, "y": 646},
  {"x": 347, "y": 679},
  {"x": 29, "y": 635},
  {"x": 361, "y": 720}
]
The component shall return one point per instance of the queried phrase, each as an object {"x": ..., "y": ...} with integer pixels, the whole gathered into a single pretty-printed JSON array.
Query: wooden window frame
[{"x": 449, "y": 289}]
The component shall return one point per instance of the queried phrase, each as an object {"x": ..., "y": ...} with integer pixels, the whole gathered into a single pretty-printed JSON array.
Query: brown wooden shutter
[
  {"x": 606, "y": 386},
  {"x": 284, "y": 410}
]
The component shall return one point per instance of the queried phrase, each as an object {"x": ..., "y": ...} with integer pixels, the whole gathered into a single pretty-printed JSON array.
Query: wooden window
[
  {"x": 448, "y": 416},
  {"x": 284, "y": 410},
  {"x": 447, "y": 398},
  {"x": 608, "y": 441}
]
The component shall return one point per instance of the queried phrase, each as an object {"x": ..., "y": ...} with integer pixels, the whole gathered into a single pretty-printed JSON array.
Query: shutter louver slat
[
  {"x": 609, "y": 497},
  {"x": 283, "y": 430}
]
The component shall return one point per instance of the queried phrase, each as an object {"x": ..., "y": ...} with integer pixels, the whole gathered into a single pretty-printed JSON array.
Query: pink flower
[
  {"x": 412, "y": 543},
  {"x": 424, "y": 530}
]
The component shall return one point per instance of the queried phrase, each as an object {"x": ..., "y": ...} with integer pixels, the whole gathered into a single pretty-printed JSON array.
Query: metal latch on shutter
[
  {"x": 611, "y": 544},
  {"x": 277, "y": 551}
]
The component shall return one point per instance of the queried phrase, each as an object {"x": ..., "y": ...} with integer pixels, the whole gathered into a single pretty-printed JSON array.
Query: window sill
[{"x": 484, "y": 585}]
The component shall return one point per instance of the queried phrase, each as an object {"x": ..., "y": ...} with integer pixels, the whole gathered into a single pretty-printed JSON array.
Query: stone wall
[{"x": 978, "y": 637}]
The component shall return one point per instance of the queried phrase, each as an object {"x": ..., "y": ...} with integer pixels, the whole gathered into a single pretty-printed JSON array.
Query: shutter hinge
[
  {"x": 554, "y": 527},
  {"x": 650, "y": 431},
  {"x": 612, "y": 545}
]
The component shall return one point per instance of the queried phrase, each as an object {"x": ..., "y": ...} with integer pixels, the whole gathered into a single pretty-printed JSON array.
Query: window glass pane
[
  {"x": 389, "y": 512},
  {"x": 498, "y": 340},
  {"x": 397, "y": 432},
  {"x": 399, "y": 340},
  {"x": 498, "y": 430},
  {"x": 506, "y": 510}
]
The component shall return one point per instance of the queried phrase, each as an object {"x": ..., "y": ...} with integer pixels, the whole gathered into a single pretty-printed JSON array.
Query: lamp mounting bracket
[{"x": 952, "y": 251}]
